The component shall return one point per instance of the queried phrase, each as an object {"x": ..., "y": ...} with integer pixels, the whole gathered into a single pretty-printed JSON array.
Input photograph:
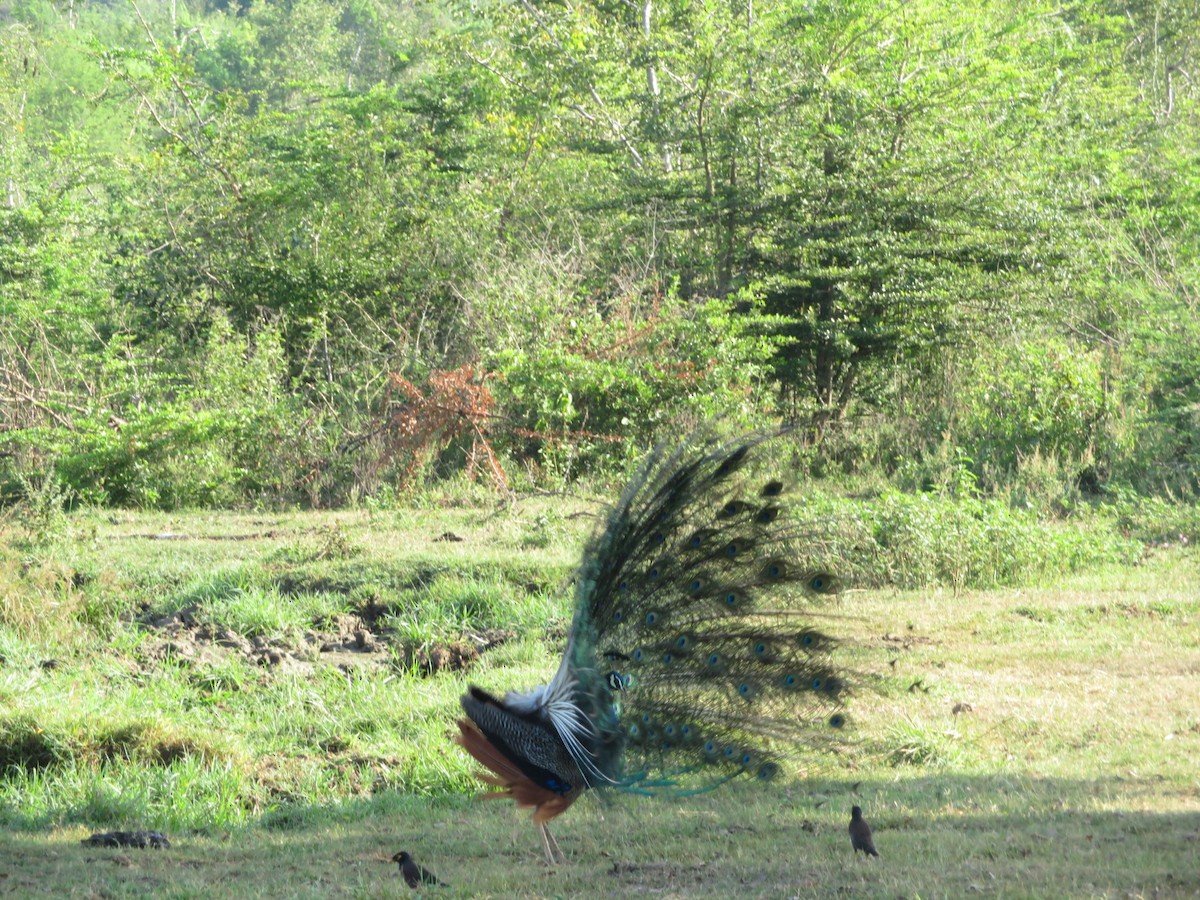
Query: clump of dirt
[
  {"x": 453, "y": 656},
  {"x": 139, "y": 839},
  {"x": 349, "y": 642}
]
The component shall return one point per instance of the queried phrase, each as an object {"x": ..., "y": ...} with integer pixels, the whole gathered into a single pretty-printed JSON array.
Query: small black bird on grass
[
  {"x": 414, "y": 875},
  {"x": 860, "y": 833}
]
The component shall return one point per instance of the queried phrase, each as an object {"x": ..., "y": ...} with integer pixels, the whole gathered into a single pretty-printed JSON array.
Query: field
[{"x": 276, "y": 693}]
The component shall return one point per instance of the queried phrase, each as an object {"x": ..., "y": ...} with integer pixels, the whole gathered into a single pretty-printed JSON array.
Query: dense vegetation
[{"x": 308, "y": 251}]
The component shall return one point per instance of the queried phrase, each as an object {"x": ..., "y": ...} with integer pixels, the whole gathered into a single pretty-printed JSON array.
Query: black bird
[
  {"x": 692, "y": 658},
  {"x": 860, "y": 833},
  {"x": 414, "y": 875}
]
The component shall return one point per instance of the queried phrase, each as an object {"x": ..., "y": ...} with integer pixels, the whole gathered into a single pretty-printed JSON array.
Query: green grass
[{"x": 1024, "y": 741}]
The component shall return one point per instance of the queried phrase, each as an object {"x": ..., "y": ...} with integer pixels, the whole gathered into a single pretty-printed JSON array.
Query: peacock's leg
[
  {"x": 554, "y": 855},
  {"x": 558, "y": 854}
]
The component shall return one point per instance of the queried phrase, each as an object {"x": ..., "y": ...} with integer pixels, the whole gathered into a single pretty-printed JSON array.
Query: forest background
[{"x": 319, "y": 252}]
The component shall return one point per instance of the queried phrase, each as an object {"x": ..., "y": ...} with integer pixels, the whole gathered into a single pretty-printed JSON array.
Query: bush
[
  {"x": 1045, "y": 396},
  {"x": 621, "y": 377},
  {"x": 919, "y": 540},
  {"x": 1165, "y": 457},
  {"x": 213, "y": 432}
]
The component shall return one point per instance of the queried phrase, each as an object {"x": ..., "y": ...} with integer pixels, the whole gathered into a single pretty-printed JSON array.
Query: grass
[{"x": 211, "y": 676}]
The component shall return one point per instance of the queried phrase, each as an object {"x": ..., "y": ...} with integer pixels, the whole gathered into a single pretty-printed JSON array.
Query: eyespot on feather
[
  {"x": 774, "y": 569},
  {"x": 767, "y": 515},
  {"x": 767, "y": 771},
  {"x": 771, "y": 489},
  {"x": 731, "y": 509},
  {"x": 732, "y": 461}
]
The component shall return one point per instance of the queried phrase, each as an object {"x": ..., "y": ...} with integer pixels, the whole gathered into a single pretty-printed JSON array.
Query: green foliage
[
  {"x": 1045, "y": 397},
  {"x": 964, "y": 540},
  {"x": 912, "y": 743},
  {"x": 164, "y": 442},
  {"x": 586, "y": 376},
  {"x": 930, "y": 233},
  {"x": 1167, "y": 455},
  {"x": 1157, "y": 522},
  {"x": 899, "y": 228},
  {"x": 43, "y": 509}
]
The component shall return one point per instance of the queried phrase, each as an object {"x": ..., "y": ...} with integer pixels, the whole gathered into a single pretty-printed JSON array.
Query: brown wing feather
[{"x": 545, "y": 803}]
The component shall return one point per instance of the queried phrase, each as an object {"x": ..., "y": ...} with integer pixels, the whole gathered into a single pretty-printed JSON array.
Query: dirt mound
[{"x": 349, "y": 642}]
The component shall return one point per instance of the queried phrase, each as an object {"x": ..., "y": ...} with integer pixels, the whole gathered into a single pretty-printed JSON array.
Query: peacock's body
[{"x": 689, "y": 660}]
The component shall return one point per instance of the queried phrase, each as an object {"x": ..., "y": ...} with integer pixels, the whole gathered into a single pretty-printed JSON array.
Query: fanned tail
[{"x": 693, "y": 647}]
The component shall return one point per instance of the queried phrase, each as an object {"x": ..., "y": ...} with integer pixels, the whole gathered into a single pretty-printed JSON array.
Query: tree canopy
[{"x": 239, "y": 241}]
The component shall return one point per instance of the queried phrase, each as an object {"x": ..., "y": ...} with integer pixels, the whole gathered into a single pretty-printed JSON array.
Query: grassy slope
[{"x": 1073, "y": 773}]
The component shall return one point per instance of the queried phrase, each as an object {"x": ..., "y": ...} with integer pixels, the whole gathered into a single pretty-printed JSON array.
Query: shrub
[
  {"x": 918, "y": 540},
  {"x": 215, "y": 432},
  {"x": 1045, "y": 396},
  {"x": 601, "y": 382}
]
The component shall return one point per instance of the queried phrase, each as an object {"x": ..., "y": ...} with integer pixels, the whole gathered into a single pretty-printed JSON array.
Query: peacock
[{"x": 691, "y": 659}]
